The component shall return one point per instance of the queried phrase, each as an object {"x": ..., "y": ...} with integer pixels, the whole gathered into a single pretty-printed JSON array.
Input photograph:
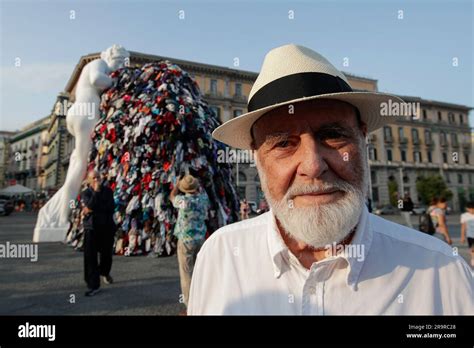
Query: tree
[
  {"x": 432, "y": 186},
  {"x": 393, "y": 192}
]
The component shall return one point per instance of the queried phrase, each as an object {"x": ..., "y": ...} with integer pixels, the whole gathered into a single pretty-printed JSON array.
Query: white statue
[{"x": 53, "y": 218}]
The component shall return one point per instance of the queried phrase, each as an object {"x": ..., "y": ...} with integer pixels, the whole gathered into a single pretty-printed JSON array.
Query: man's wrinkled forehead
[{"x": 306, "y": 117}]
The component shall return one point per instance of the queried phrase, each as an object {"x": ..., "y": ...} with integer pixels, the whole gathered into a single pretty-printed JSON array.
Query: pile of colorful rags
[{"x": 154, "y": 127}]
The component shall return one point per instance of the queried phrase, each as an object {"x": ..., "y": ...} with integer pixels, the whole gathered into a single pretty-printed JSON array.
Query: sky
[{"x": 410, "y": 56}]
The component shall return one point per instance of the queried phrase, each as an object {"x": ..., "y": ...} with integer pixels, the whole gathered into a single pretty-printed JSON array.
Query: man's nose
[{"x": 310, "y": 157}]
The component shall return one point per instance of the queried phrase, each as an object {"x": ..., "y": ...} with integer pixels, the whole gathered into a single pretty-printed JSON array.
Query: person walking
[
  {"x": 438, "y": 216},
  {"x": 407, "y": 209},
  {"x": 99, "y": 229},
  {"x": 190, "y": 228}
]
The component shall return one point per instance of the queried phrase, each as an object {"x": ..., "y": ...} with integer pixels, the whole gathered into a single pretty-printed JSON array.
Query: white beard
[{"x": 320, "y": 225}]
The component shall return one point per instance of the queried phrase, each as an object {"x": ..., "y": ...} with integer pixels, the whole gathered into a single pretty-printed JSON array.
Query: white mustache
[{"x": 318, "y": 189}]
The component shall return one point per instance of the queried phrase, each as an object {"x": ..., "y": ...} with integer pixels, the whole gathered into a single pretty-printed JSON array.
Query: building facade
[
  {"x": 26, "y": 154},
  {"x": 57, "y": 140},
  {"x": 438, "y": 140},
  {"x": 5, "y": 153}
]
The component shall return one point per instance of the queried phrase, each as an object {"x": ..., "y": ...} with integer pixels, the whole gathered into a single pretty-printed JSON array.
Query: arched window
[{"x": 242, "y": 177}]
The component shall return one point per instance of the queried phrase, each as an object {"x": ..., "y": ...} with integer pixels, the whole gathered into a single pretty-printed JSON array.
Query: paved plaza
[{"x": 143, "y": 285}]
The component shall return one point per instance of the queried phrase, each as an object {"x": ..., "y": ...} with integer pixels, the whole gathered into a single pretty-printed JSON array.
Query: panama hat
[
  {"x": 188, "y": 184},
  {"x": 292, "y": 74}
]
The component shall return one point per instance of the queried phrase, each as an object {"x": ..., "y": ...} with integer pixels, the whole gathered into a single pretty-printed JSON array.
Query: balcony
[
  {"x": 213, "y": 94},
  {"x": 455, "y": 144},
  {"x": 416, "y": 141},
  {"x": 388, "y": 139},
  {"x": 428, "y": 141},
  {"x": 372, "y": 138},
  {"x": 239, "y": 98},
  {"x": 444, "y": 144},
  {"x": 466, "y": 146},
  {"x": 403, "y": 140}
]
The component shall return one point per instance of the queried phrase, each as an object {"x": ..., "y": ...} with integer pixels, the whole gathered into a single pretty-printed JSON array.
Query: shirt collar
[{"x": 361, "y": 242}]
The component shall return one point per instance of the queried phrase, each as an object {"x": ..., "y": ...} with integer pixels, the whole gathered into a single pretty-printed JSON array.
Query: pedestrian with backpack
[{"x": 437, "y": 212}]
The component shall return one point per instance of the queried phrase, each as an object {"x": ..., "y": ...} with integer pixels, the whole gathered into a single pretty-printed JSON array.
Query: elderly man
[
  {"x": 318, "y": 250},
  {"x": 99, "y": 229}
]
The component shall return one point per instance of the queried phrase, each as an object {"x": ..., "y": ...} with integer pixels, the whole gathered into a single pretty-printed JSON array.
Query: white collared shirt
[{"x": 246, "y": 268}]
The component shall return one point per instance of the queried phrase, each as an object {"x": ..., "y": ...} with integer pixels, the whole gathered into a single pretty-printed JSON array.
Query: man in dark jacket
[
  {"x": 407, "y": 209},
  {"x": 99, "y": 229}
]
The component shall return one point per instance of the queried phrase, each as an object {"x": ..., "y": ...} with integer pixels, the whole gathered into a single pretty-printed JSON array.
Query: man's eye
[{"x": 283, "y": 143}]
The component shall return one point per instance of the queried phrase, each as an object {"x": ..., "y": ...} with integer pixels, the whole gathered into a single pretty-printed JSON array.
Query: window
[
  {"x": 451, "y": 117},
  {"x": 417, "y": 156},
  {"x": 373, "y": 176},
  {"x": 461, "y": 119},
  {"x": 448, "y": 179},
  {"x": 400, "y": 132},
  {"x": 414, "y": 135},
  {"x": 424, "y": 114},
  {"x": 213, "y": 86},
  {"x": 454, "y": 139},
  {"x": 428, "y": 153},
  {"x": 237, "y": 112},
  {"x": 440, "y": 117},
  {"x": 387, "y": 131},
  {"x": 403, "y": 155},
  {"x": 427, "y": 136},
  {"x": 238, "y": 89},
  {"x": 372, "y": 153},
  {"x": 445, "y": 157},
  {"x": 389, "y": 155},
  {"x": 443, "y": 139},
  {"x": 466, "y": 158},
  {"x": 459, "y": 178},
  {"x": 242, "y": 177},
  {"x": 405, "y": 179}
]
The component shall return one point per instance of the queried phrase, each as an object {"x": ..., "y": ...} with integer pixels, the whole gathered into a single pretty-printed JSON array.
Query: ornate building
[
  {"x": 436, "y": 141},
  {"x": 5, "y": 153},
  {"x": 25, "y": 158}
]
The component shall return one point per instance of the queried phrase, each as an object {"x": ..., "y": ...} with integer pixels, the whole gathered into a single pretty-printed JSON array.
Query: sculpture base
[{"x": 49, "y": 234}]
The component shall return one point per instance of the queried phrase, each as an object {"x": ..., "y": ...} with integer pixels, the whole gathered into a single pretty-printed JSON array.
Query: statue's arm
[{"x": 98, "y": 76}]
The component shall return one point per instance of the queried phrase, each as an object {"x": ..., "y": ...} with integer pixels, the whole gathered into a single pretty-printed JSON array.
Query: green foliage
[
  {"x": 432, "y": 186},
  {"x": 392, "y": 191}
]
